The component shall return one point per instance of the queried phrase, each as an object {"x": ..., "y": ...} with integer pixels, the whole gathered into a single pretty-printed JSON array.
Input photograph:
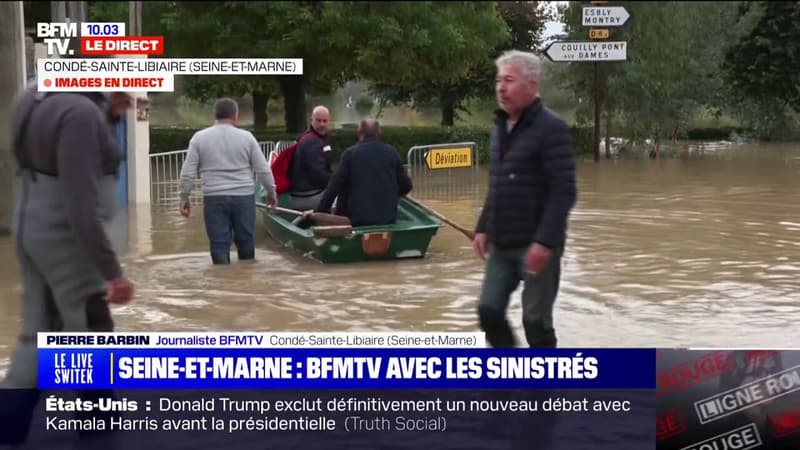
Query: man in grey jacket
[
  {"x": 225, "y": 157},
  {"x": 65, "y": 198}
]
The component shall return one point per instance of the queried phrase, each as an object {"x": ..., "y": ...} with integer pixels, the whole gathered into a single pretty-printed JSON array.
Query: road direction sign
[
  {"x": 587, "y": 51},
  {"x": 448, "y": 158},
  {"x": 607, "y": 16},
  {"x": 599, "y": 33}
]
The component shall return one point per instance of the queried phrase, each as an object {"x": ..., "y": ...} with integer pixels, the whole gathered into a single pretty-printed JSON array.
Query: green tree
[
  {"x": 200, "y": 88},
  {"x": 393, "y": 43},
  {"x": 390, "y": 42},
  {"x": 764, "y": 62},
  {"x": 196, "y": 30},
  {"x": 505, "y": 25},
  {"x": 760, "y": 67}
]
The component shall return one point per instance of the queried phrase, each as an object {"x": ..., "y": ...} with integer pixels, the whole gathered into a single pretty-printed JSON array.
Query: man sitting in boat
[
  {"x": 310, "y": 168},
  {"x": 369, "y": 181}
]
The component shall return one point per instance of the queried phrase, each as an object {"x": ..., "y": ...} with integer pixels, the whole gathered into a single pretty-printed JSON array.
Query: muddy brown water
[{"x": 701, "y": 251}]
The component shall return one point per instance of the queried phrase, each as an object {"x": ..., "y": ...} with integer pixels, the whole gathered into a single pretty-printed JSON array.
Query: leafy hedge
[
  {"x": 165, "y": 139},
  {"x": 721, "y": 133}
]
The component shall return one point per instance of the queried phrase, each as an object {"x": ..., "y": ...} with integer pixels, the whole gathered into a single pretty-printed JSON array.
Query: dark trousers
[
  {"x": 43, "y": 311},
  {"x": 505, "y": 269},
  {"x": 230, "y": 218},
  {"x": 62, "y": 291}
]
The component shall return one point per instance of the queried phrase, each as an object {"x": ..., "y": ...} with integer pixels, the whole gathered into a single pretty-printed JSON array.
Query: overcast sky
[{"x": 553, "y": 28}]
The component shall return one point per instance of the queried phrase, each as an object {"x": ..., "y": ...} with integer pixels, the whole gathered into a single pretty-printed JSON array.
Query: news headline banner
[
  {"x": 441, "y": 419},
  {"x": 350, "y": 368},
  {"x": 743, "y": 399},
  {"x": 148, "y": 74}
]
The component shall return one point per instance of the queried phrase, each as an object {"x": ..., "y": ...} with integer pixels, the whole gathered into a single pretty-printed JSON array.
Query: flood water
[{"x": 674, "y": 252}]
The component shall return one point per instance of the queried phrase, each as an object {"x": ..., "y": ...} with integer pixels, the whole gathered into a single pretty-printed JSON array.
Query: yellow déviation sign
[{"x": 448, "y": 158}]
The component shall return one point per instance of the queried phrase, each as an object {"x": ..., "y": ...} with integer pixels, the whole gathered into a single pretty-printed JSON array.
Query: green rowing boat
[{"x": 409, "y": 237}]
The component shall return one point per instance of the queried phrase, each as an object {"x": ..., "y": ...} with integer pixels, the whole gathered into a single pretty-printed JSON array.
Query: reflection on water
[{"x": 661, "y": 253}]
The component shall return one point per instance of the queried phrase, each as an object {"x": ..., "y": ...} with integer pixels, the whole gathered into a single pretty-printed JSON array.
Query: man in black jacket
[
  {"x": 311, "y": 163},
  {"x": 523, "y": 224},
  {"x": 369, "y": 180}
]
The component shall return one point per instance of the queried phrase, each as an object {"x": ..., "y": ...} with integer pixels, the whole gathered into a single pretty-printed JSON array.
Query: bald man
[
  {"x": 311, "y": 163},
  {"x": 369, "y": 180}
]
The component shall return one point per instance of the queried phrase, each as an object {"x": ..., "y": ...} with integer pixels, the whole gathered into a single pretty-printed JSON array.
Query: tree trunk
[
  {"x": 608, "y": 135},
  {"x": 294, "y": 102},
  {"x": 656, "y": 141},
  {"x": 382, "y": 102},
  {"x": 675, "y": 133},
  {"x": 12, "y": 82},
  {"x": 656, "y": 147},
  {"x": 260, "y": 117},
  {"x": 448, "y": 113}
]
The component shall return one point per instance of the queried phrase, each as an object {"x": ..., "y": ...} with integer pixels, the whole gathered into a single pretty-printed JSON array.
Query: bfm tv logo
[
  {"x": 56, "y": 36},
  {"x": 96, "y": 39}
]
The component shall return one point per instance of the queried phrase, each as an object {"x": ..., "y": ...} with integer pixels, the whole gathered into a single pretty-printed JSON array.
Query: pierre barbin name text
[{"x": 99, "y": 339}]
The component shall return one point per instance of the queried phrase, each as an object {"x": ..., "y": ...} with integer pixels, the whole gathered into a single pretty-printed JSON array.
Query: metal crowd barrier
[{"x": 441, "y": 171}]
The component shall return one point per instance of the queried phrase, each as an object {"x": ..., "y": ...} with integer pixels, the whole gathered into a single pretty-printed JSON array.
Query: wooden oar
[
  {"x": 323, "y": 218},
  {"x": 332, "y": 231},
  {"x": 468, "y": 233}
]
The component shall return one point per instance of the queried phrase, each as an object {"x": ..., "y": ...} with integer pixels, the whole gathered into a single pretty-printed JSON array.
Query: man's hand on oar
[
  {"x": 325, "y": 218},
  {"x": 316, "y": 217}
]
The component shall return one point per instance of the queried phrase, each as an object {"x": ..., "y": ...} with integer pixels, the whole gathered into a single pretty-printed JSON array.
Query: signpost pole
[
  {"x": 596, "y": 112},
  {"x": 598, "y": 49}
]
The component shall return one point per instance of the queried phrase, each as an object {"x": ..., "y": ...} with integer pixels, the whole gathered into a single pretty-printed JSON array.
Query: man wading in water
[
  {"x": 66, "y": 194},
  {"x": 523, "y": 224}
]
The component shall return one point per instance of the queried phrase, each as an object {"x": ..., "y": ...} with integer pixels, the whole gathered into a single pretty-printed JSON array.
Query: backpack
[{"x": 281, "y": 165}]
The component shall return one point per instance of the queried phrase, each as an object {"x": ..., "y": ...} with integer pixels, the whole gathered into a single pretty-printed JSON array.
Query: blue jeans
[{"x": 230, "y": 218}]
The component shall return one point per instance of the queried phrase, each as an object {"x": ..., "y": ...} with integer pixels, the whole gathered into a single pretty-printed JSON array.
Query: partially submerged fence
[
  {"x": 441, "y": 171},
  {"x": 165, "y": 171},
  {"x": 445, "y": 171}
]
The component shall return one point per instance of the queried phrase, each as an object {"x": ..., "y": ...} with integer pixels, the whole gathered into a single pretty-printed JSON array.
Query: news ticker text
[
  {"x": 308, "y": 414},
  {"x": 335, "y": 418}
]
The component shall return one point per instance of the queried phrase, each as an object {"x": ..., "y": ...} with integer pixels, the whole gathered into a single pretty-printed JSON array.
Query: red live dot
[{"x": 47, "y": 83}]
